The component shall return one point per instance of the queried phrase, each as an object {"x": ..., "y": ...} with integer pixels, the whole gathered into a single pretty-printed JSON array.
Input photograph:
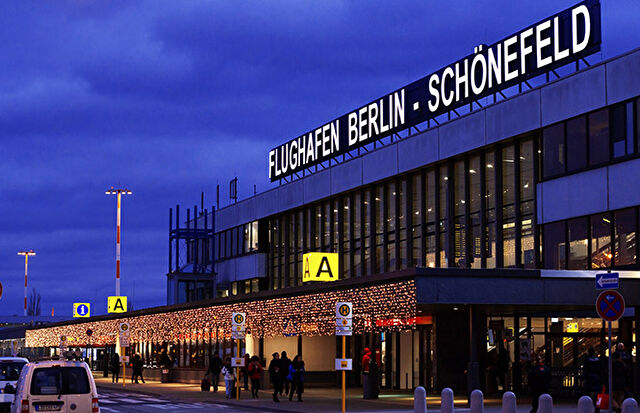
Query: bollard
[
  {"x": 585, "y": 405},
  {"x": 446, "y": 403},
  {"x": 477, "y": 401},
  {"x": 630, "y": 405},
  {"x": 508, "y": 403},
  {"x": 545, "y": 404},
  {"x": 420, "y": 400}
]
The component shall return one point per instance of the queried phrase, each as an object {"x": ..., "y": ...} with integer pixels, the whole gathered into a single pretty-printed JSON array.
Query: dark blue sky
[{"x": 171, "y": 98}]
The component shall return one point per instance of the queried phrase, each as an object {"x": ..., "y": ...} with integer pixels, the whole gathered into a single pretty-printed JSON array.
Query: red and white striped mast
[
  {"x": 26, "y": 270},
  {"x": 118, "y": 192}
]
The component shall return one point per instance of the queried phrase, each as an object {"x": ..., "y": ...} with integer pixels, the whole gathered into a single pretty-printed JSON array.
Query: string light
[{"x": 311, "y": 314}]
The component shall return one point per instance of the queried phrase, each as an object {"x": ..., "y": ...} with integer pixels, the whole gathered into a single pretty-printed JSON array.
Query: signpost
[
  {"x": 607, "y": 281},
  {"x": 610, "y": 307},
  {"x": 124, "y": 333},
  {"x": 117, "y": 304},
  {"x": 81, "y": 310},
  {"x": 344, "y": 328},
  {"x": 238, "y": 331}
]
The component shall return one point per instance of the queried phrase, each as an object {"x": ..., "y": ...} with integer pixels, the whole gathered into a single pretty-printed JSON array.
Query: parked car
[
  {"x": 10, "y": 368},
  {"x": 56, "y": 386}
]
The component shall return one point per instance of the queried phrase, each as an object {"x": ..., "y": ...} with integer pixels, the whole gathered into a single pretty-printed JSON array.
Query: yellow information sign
[
  {"x": 573, "y": 328},
  {"x": 82, "y": 310},
  {"x": 320, "y": 266},
  {"x": 117, "y": 304}
]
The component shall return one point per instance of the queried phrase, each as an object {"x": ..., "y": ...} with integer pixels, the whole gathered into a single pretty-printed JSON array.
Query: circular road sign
[
  {"x": 89, "y": 332},
  {"x": 610, "y": 305},
  {"x": 344, "y": 310},
  {"x": 0, "y": 290},
  {"x": 239, "y": 318}
]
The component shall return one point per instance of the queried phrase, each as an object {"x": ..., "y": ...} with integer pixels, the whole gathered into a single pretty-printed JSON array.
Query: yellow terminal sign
[
  {"x": 82, "y": 310},
  {"x": 320, "y": 266},
  {"x": 117, "y": 304}
]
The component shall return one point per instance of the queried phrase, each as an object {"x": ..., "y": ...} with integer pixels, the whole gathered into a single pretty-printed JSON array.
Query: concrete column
[{"x": 446, "y": 401}]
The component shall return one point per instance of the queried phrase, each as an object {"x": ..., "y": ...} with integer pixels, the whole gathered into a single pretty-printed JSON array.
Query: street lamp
[
  {"x": 26, "y": 266},
  {"x": 118, "y": 192}
]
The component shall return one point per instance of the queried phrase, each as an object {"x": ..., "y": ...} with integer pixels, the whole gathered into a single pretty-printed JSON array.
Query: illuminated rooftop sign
[{"x": 553, "y": 42}]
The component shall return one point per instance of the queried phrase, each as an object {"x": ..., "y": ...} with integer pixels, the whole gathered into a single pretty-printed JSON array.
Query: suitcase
[{"x": 205, "y": 385}]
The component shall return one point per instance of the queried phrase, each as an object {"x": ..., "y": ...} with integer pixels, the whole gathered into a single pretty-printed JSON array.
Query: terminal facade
[{"x": 471, "y": 238}]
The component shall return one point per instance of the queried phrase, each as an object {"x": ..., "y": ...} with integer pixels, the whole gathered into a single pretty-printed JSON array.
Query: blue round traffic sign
[{"x": 610, "y": 305}]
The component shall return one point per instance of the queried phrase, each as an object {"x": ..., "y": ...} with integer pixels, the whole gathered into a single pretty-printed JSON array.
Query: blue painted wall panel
[
  {"x": 417, "y": 151},
  {"x": 513, "y": 117},
  {"x": 380, "y": 164},
  {"x": 346, "y": 176},
  {"x": 462, "y": 135},
  {"x": 623, "y": 81}
]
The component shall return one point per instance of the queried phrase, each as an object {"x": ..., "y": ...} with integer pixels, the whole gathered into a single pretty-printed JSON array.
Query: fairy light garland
[{"x": 312, "y": 315}]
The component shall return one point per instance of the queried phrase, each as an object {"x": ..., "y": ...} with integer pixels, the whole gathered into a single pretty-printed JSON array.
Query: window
[
  {"x": 577, "y": 143},
  {"x": 600, "y": 241},
  {"x": 490, "y": 209},
  {"x": 391, "y": 233},
  {"x": 622, "y": 133},
  {"x": 508, "y": 207},
  {"x": 459, "y": 207},
  {"x": 379, "y": 229},
  {"x": 553, "y": 150},
  {"x": 60, "y": 380},
  {"x": 443, "y": 239},
  {"x": 347, "y": 220},
  {"x": 430, "y": 214},
  {"x": 625, "y": 237},
  {"x": 554, "y": 244},
  {"x": 578, "y": 235},
  {"x": 357, "y": 241},
  {"x": 527, "y": 213},
  {"x": 402, "y": 220},
  {"x": 416, "y": 219},
  {"x": 475, "y": 200},
  {"x": 599, "y": 137}
]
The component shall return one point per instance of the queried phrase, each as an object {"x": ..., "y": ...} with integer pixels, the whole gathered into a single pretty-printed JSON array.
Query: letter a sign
[
  {"x": 117, "y": 304},
  {"x": 320, "y": 266}
]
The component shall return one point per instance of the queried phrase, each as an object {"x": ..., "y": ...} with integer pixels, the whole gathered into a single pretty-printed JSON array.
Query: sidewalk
[{"x": 315, "y": 399}]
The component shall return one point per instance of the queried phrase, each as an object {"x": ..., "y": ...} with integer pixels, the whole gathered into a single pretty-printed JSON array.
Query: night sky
[{"x": 169, "y": 99}]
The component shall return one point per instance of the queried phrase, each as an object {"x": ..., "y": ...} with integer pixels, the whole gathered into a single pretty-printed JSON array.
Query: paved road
[{"x": 113, "y": 401}]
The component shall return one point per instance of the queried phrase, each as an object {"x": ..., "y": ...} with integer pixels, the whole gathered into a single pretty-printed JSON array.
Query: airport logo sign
[
  {"x": 320, "y": 266},
  {"x": 81, "y": 310}
]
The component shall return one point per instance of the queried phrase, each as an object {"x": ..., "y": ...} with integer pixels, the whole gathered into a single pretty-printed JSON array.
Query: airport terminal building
[{"x": 471, "y": 211}]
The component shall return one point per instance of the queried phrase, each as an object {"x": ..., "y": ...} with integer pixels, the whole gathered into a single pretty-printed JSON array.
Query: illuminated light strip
[{"x": 314, "y": 315}]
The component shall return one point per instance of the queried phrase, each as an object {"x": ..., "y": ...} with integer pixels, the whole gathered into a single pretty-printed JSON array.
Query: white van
[
  {"x": 56, "y": 386},
  {"x": 10, "y": 368}
]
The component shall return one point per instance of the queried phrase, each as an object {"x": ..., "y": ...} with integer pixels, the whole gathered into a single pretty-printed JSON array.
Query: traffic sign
[
  {"x": 344, "y": 364},
  {"x": 344, "y": 322},
  {"x": 344, "y": 331},
  {"x": 607, "y": 280},
  {"x": 124, "y": 328},
  {"x": 238, "y": 318},
  {"x": 344, "y": 309},
  {"x": 89, "y": 332},
  {"x": 237, "y": 362},
  {"x": 82, "y": 310},
  {"x": 610, "y": 305},
  {"x": 117, "y": 304},
  {"x": 0, "y": 290}
]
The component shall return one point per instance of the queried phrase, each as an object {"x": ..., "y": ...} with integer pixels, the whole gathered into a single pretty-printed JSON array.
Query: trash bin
[{"x": 165, "y": 378}]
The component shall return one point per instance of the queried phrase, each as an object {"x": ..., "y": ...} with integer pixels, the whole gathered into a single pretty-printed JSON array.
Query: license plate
[{"x": 52, "y": 407}]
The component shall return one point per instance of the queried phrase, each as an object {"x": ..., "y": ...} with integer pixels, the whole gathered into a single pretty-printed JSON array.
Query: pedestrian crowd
[{"x": 286, "y": 376}]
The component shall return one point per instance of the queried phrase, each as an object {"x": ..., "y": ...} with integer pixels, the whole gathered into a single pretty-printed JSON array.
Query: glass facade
[{"x": 477, "y": 210}]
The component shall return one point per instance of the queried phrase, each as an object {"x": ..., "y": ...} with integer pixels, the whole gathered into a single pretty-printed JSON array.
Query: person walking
[
  {"x": 296, "y": 377},
  {"x": 215, "y": 367},
  {"x": 592, "y": 372},
  {"x": 136, "y": 364},
  {"x": 105, "y": 361},
  {"x": 285, "y": 362},
  {"x": 245, "y": 371},
  {"x": 628, "y": 365},
  {"x": 366, "y": 363},
  {"x": 539, "y": 378},
  {"x": 618, "y": 381},
  {"x": 115, "y": 367},
  {"x": 275, "y": 374},
  {"x": 229, "y": 377},
  {"x": 255, "y": 373}
]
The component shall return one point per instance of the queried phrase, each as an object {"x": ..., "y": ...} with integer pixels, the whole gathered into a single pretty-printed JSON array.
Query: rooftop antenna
[
  {"x": 201, "y": 202},
  {"x": 233, "y": 190},
  {"x": 218, "y": 196}
]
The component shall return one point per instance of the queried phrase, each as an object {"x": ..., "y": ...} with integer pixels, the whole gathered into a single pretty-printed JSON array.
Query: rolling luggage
[{"x": 205, "y": 385}]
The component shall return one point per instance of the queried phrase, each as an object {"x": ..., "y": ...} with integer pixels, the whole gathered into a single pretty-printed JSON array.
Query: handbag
[{"x": 602, "y": 401}]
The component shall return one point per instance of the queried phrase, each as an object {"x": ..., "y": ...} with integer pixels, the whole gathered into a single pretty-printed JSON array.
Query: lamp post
[
  {"x": 118, "y": 192},
  {"x": 26, "y": 267}
]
